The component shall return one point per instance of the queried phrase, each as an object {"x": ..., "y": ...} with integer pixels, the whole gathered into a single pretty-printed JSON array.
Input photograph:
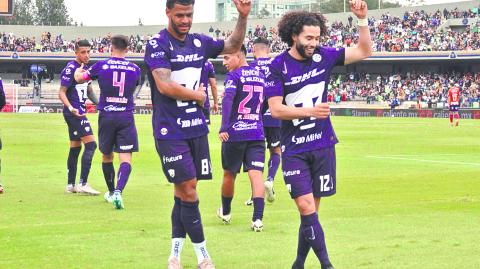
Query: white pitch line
[{"x": 422, "y": 160}]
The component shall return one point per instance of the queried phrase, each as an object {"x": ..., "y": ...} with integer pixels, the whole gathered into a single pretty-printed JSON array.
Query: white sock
[
  {"x": 177, "y": 246},
  {"x": 201, "y": 251}
]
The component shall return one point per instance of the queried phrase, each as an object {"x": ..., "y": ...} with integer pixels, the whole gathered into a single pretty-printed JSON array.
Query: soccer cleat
[
  {"x": 249, "y": 202},
  {"x": 174, "y": 263},
  {"x": 257, "y": 226},
  {"x": 108, "y": 197},
  {"x": 86, "y": 189},
  {"x": 225, "y": 218},
  {"x": 270, "y": 191},
  {"x": 1, "y": 189},
  {"x": 70, "y": 189},
  {"x": 206, "y": 264},
  {"x": 117, "y": 200}
]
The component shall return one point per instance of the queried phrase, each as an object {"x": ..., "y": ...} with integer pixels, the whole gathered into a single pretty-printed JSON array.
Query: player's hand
[
  {"x": 243, "y": 7},
  {"x": 215, "y": 107},
  {"x": 201, "y": 95},
  {"x": 223, "y": 136},
  {"x": 320, "y": 111},
  {"x": 78, "y": 75},
  {"x": 76, "y": 113},
  {"x": 359, "y": 8}
]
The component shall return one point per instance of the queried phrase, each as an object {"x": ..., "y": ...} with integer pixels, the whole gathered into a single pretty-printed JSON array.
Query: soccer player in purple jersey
[
  {"x": 241, "y": 134},
  {"x": 271, "y": 126},
  {"x": 118, "y": 79},
  {"x": 73, "y": 96},
  {"x": 296, "y": 87},
  {"x": 175, "y": 59},
  {"x": 2, "y": 104},
  {"x": 208, "y": 77}
]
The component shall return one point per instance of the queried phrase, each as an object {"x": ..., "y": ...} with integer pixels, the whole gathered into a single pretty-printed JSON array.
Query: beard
[
  {"x": 303, "y": 51},
  {"x": 177, "y": 30}
]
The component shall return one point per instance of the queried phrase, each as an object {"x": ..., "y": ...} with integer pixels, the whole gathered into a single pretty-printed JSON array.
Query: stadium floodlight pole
[
  {"x": 344, "y": 6},
  {"x": 379, "y": 4}
]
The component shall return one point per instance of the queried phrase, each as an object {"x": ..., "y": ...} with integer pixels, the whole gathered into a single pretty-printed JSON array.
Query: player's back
[
  {"x": 245, "y": 121},
  {"x": 454, "y": 95},
  {"x": 268, "y": 121},
  {"x": 118, "y": 79}
]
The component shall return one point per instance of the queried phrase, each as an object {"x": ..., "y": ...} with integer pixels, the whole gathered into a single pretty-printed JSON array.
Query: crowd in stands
[
  {"x": 414, "y": 31},
  {"x": 431, "y": 88},
  {"x": 48, "y": 43}
]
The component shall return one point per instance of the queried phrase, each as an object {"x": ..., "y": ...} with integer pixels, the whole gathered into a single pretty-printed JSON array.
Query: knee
[{"x": 306, "y": 206}]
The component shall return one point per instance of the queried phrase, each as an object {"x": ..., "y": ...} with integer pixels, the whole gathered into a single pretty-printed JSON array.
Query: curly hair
[{"x": 292, "y": 24}]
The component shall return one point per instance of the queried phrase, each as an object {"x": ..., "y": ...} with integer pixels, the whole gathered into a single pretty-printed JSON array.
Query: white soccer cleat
[
  {"x": 249, "y": 202},
  {"x": 257, "y": 226},
  {"x": 70, "y": 189},
  {"x": 108, "y": 197},
  {"x": 206, "y": 264},
  {"x": 117, "y": 200},
  {"x": 270, "y": 191},
  {"x": 174, "y": 263},
  {"x": 225, "y": 218},
  {"x": 86, "y": 189}
]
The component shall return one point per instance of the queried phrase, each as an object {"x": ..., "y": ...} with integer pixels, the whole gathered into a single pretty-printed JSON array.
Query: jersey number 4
[{"x": 119, "y": 83}]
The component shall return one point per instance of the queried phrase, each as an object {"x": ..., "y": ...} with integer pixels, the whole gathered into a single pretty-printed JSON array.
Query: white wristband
[
  {"x": 70, "y": 108},
  {"x": 362, "y": 22}
]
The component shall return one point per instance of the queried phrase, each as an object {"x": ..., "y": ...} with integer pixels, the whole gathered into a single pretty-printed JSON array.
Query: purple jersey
[
  {"x": 118, "y": 79},
  {"x": 208, "y": 72},
  {"x": 76, "y": 93},
  {"x": 304, "y": 84},
  {"x": 2, "y": 95},
  {"x": 268, "y": 121},
  {"x": 242, "y": 103},
  {"x": 175, "y": 119}
]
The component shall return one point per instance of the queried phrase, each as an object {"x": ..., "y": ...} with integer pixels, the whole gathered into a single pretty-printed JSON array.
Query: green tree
[
  {"x": 52, "y": 12},
  {"x": 24, "y": 13}
]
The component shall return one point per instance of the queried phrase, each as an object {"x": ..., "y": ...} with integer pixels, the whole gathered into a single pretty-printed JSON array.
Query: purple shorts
[
  {"x": 117, "y": 132},
  {"x": 310, "y": 172},
  {"x": 454, "y": 108},
  {"x": 77, "y": 127},
  {"x": 249, "y": 153},
  {"x": 272, "y": 136},
  {"x": 187, "y": 159}
]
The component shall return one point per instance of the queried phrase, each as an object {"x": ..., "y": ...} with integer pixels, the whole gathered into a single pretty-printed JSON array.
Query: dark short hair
[
  {"x": 261, "y": 40},
  {"x": 120, "y": 42},
  {"x": 243, "y": 49},
  {"x": 82, "y": 43},
  {"x": 292, "y": 24},
  {"x": 171, "y": 3}
]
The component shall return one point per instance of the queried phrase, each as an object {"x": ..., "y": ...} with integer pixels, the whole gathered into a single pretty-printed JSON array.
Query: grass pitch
[{"x": 408, "y": 196}]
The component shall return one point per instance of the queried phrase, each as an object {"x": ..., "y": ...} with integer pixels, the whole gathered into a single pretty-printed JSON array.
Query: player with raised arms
[
  {"x": 73, "y": 96},
  {"x": 297, "y": 89},
  {"x": 118, "y": 79},
  {"x": 454, "y": 103},
  {"x": 175, "y": 59},
  {"x": 241, "y": 134}
]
